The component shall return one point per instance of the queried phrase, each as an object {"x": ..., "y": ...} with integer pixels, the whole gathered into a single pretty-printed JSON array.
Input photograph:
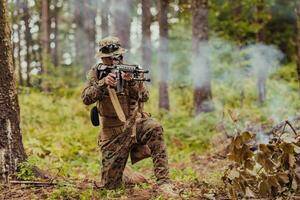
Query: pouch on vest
[{"x": 95, "y": 116}]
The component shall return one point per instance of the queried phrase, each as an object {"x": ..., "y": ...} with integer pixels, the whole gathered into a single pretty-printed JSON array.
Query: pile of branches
[{"x": 270, "y": 170}]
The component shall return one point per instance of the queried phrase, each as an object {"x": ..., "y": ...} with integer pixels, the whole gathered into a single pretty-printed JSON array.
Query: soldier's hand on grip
[
  {"x": 110, "y": 80},
  {"x": 126, "y": 76}
]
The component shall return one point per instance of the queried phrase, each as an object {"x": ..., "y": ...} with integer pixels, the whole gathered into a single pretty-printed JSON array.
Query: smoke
[
  {"x": 217, "y": 61},
  {"x": 263, "y": 59},
  {"x": 230, "y": 63},
  {"x": 123, "y": 6},
  {"x": 200, "y": 73},
  {"x": 135, "y": 38},
  {"x": 281, "y": 104},
  {"x": 238, "y": 69},
  {"x": 262, "y": 138}
]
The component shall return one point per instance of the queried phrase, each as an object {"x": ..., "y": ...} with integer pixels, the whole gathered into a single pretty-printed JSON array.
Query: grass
[{"x": 59, "y": 137}]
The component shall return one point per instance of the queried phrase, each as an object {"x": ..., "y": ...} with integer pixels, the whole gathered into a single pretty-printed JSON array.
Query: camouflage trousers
[{"x": 116, "y": 146}]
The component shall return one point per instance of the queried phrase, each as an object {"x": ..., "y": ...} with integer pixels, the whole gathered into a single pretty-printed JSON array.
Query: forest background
[{"x": 215, "y": 66}]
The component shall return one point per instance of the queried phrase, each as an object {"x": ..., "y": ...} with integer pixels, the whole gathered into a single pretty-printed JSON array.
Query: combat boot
[{"x": 132, "y": 177}]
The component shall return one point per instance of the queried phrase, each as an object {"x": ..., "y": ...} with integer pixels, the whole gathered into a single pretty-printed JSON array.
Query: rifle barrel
[{"x": 142, "y": 79}]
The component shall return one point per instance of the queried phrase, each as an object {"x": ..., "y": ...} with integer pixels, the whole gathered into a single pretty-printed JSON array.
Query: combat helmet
[{"x": 110, "y": 46}]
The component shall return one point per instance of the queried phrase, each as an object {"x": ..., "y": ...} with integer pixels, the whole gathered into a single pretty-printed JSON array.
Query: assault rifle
[{"x": 117, "y": 69}]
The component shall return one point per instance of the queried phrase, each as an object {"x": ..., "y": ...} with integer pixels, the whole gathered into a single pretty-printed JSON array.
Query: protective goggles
[{"x": 109, "y": 48}]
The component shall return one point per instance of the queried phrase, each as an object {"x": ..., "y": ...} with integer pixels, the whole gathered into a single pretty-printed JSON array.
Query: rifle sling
[{"x": 116, "y": 104}]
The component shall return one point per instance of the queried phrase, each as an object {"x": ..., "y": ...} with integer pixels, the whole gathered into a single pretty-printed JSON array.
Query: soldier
[{"x": 115, "y": 141}]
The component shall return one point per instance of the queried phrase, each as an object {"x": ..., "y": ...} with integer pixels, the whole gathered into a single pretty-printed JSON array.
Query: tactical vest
[{"x": 107, "y": 111}]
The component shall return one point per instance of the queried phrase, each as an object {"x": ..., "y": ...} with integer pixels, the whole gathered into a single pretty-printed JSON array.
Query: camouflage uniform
[{"x": 115, "y": 144}]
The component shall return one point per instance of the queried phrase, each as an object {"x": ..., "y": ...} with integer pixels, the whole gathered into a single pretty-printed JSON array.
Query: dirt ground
[
  {"x": 207, "y": 184},
  {"x": 196, "y": 189}
]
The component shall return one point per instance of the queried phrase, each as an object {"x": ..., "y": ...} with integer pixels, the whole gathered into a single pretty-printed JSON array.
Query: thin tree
[
  {"x": 28, "y": 40},
  {"x": 80, "y": 36},
  {"x": 236, "y": 18},
  {"x": 163, "y": 54},
  {"x": 11, "y": 147},
  {"x": 146, "y": 33},
  {"x": 104, "y": 17},
  {"x": 122, "y": 20},
  {"x": 184, "y": 8},
  {"x": 260, "y": 38},
  {"x": 19, "y": 66},
  {"x": 90, "y": 15},
  {"x": 85, "y": 33},
  {"x": 200, "y": 73},
  {"x": 45, "y": 40},
  {"x": 260, "y": 10},
  {"x": 18, "y": 45},
  {"x": 236, "y": 8},
  {"x": 13, "y": 22},
  {"x": 297, "y": 10},
  {"x": 54, "y": 30}
]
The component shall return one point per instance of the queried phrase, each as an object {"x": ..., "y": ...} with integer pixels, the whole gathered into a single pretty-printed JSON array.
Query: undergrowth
[{"x": 59, "y": 138}]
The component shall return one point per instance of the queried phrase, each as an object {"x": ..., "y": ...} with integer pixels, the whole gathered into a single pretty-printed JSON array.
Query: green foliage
[
  {"x": 64, "y": 193},
  {"x": 240, "y": 21},
  {"x": 59, "y": 137},
  {"x": 282, "y": 29},
  {"x": 85, "y": 194},
  {"x": 287, "y": 73},
  {"x": 185, "y": 175},
  {"x": 180, "y": 50},
  {"x": 57, "y": 129},
  {"x": 158, "y": 198},
  {"x": 58, "y": 78},
  {"x": 25, "y": 171}
]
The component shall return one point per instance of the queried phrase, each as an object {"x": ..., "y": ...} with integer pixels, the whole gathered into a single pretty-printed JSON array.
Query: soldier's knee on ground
[
  {"x": 157, "y": 131},
  {"x": 153, "y": 133}
]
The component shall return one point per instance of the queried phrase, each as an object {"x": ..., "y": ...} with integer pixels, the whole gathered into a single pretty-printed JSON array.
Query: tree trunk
[
  {"x": 45, "y": 40},
  {"x": 146, "y": 34},
  {"x": 104, "y": 18},
  {"x": 90, "y": 22},
  {"x": 184, "y": 8},
  {"x": 54, "y": 19},
  {"x": 260, "y": 9},
  {"x": 298, "y": 41},
  {"x": 38, "y": 55},
  {"x": 85, "y": 35},
  {"x": 163, "y": 54},
  {"x": 80, "y": 39},
  {"x": 28, "y": 40},
  {"x": 260, "y": 38},
  {"x": 18, "y": 45},
  {"x": 13, "y": 48},
  {"x": 11, "y": 147},
  {"x": 236, "y": 8},
  {"x": 55, "y": 51},
  {"x": 122, "y": 21},
  {"x": 200, "y": 62},
  {"x": 19, "y": 57}
]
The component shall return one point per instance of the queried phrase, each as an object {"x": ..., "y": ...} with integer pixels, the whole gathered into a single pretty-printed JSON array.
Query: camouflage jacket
[{"x": 96, "y": 91}]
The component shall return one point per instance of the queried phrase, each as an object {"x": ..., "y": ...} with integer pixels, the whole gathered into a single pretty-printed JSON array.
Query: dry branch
[
  {"x": 33, "y": 183},
  {"x": 277, "y": 127}
]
